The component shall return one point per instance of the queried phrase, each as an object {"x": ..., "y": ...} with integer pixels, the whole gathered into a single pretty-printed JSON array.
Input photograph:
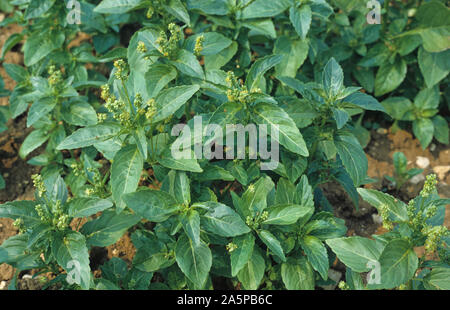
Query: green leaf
[
  {"x": 252, "y": 273},
  {"x": 398, "y": 107},
  {"x": 34, "y": 140},
  {"x": 194, "y": 260},
  {"x": 438, "y": 278},
  {"x": 39, "y": 109},
  {"x": 16, "y": 72},
  {"x": 38, "y": 46},
  {"x": 272, "y": 243},
  {"x": 170, "y": 100},
  {"x": 389, "y": 76},
  {"x": 117, "y": 6},
  {"x": 262, "y": 8},
  {"x": 90, "y": 135},
  {"x": 434, "y": 66},
  {"x": 332, "y": 78},
  {"x": 188, "y": 64},
  {"x": 12, "y": 41},
  {"x": 301, "y": 19},
  {"x": 441, "y": 130},
  {"x": 20, "y": 210},
  {"x": 341, "y": 117},
  {"x": 180, "y": 187},
  {"x": 287, "y": 214},
  {"x": 220, "y": 59},
  {"x": 38, "y": 8},
  {"x": 223, "y": 221},
  {"x": 317, "y": 255},
  {"x": 356, "y": 252},
  {"x": 126, "y": 171},
  {"x": 108, "y": 228},
  {"x": 184, "y": 164},
  {"x": 353, "y": 157},
  {"x": 364, "y": 101},
  {"x": 397, "y": 209},
  {"x": 153, "y": 205},
  {"x": 213, "y": 7},
  {"x": 213, "y": 43},
  {"x": 71, "y": 253},
  {"x": 259, "y": 68},
  {"x": 398, "y": 264},
  {"x": 191, "y": 225},
  {"x": 297, "y": 274},
  {"x": 423, "y": 129},
  {"x": 157, "y": 77},
  {"x": 254, "y": 199},
  {"x": 294, "y": 54},
  {"x": 288, "y": 134},
  {"x": 2, "y": 182},
  {"x": 177, "y": 9},
  {"x": 78, "y": 113},
  {"x": 242, "y": 254},
  {"x": 84, "y": 207}
]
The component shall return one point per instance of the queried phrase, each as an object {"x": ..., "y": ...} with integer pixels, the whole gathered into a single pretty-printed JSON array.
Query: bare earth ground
[{"x": 364, "y": 222}]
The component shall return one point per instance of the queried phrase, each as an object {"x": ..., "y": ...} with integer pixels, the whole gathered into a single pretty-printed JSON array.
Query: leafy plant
[
  {"x": 401, "y": 172},
  {"x": 391, "y": 255},
  {"x": 109, "y": 165}
]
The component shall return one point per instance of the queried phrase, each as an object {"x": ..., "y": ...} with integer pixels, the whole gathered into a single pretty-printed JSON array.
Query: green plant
[
  {"x": 111, "y": 164},
  {"x": 391, "y": 255},
  {"x": 401, "y": 172}
]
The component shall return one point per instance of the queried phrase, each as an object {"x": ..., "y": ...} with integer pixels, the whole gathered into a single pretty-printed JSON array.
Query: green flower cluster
[
  {"x": 55, "y": 78},
  {"x": 57, "y": 218},
  {"x": 255, "y": 222},
  {"x": 169, "y": 46},
  {"x": 238, "y": 92},
  {"x": 121, "y": 72},
  {"x": 434, "y": 235},
  {"x": 231, "y": 247},
  {"x": 384, "y": 213},
  {"x": 199, "y": 45},
  {"x": 38, "y": 184},
  {"x": 116, "y": 107},
  {"x": 430, "y": 185}
]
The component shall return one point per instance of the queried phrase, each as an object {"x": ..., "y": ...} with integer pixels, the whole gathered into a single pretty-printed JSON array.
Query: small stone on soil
[
  {"x": 417, "y": 179},
  {"x": 422, "y": 162},
  {"x": 441, "y": 171},
  {"x": 2, "y": 285},
  {"x": 382, "y": 131},
  {"x": 377, "y": 219}
]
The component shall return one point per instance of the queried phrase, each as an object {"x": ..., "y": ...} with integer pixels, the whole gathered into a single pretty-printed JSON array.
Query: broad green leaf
[
  {"x": 389, "y": 77},
  {"x": 38, "y": 8},
  {"x": 72, "y": 255},
  {"x": 34, "y": 140},
  {"x": 294, "y": 54},
  {"x": 12, "y": 41},
  {"x": 194, "y": 260},
  {"x": 423, "y": 129},
  {"x": 170, "y": 100},
  {"x": 78, "y": 113},
  {"x": 213, "y": 43},
  {"x": 220, "y": 59},
  {"x": 90, "y": 135},
  {"x": 438, "y": 278},
  {"x": 317, "y": 255},
  {"x": 38, "y": 46},
  {"x": 398, "y": 264},
  {"x": 39, "y": 109},
  {"x": 297, "y": 274},
  {"x": 301, "y": 19},
  {"x": 213, "y": 7},
  {"x": 364, "y": 101},
  {"x": 441, "y": 130},
  {"x": 288, "y": 134},
  {"x": 242, "y": 254},
  {"x": 254, "y": 199},
  {"x": 352, "y": 156},
  {"x": 332, "y": 78},
  {"x": 126, "y": 171},
  {"x": 153, "y": 205},
  {"x": 83, "y": 207},
  {"x": 341, "y": 117},
  {"x": 108, "y": 228},
  {"x": 188, "y": 64},
  {"x": 223, "y": 221},
  {"x": 287, "y": 214},
  {"x": 396, "y": 208},
  {"x": 262, "y": 8},
  {"x": 259, "y": 68},
  {"x": 252, "y": 273},
  {"x": 184, "y": 164},
  {"x": 191, "y": 225},
  {"x": 397, "y": 107},
  {"x": 157, "y": 77},
  {"x": 16, "y": 72},
  {"x": 434, "y": 66},
  {"x": 24, "y": 210},
  {"x": 356, "y": 252},
  {"x": 272, "y": 243},
  {"x": 177, "y": 9},
  {"x": 117, "y": 6}
]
